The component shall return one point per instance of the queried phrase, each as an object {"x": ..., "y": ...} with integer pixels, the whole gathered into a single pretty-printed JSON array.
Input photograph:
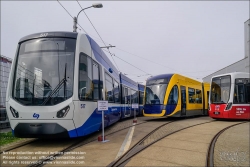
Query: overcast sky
[{"x": 193, "y": 38}]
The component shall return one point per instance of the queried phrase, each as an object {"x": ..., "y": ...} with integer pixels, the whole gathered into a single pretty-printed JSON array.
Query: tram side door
[
  {"x": 127, "y": 102},
  {"x": 183, "y": 101}
]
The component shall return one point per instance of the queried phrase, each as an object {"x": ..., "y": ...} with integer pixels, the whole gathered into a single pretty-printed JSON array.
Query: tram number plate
[{"x": 217, "y": 113}]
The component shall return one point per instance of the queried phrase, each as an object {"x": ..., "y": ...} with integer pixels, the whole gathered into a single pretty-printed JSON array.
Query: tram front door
[{"x": 183, "y": 101}]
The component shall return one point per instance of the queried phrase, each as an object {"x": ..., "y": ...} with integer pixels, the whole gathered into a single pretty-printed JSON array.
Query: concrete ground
[
  {"x": 232, "y": 147},
  {"x": 102, "y": 154},
  {"x": 185, "y": 148}
]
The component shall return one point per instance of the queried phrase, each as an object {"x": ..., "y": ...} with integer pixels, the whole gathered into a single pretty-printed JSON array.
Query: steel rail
[
  {"x": 137, "y": 148},
  {"x": 75, "y": 145},
  {"x": 210, "y": 151},
  {"x": 18, "y": 145}
]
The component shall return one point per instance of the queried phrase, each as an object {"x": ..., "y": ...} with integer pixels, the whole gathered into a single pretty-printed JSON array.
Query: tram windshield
[
  {"x": 220, "y": 89},
  {"x": 155, "y": 91},
  {"x": 44, "y": 71}
]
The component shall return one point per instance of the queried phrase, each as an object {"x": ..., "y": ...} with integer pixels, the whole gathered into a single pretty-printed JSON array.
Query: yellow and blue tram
[{"x": 175, "y": 95}]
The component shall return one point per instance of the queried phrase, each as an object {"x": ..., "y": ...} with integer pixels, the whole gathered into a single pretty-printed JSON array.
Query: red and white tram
[{"x": 230, "y": 96}]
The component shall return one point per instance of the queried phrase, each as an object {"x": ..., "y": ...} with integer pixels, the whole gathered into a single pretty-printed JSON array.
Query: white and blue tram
[
  {"x": 130, "y": 93},
  {"x": 55, "y": 82}
]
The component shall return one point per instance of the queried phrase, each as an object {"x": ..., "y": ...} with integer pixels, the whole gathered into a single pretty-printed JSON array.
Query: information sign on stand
[
  {"x": 103, "y": 106},
  {"x": 135, "y": 105}
]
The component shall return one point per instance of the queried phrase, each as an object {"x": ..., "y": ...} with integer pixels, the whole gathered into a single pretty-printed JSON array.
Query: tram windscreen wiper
[{"x": 58, "y": 87}]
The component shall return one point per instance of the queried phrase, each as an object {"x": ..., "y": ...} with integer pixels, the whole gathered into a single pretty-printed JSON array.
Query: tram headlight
[
  {"x": 62, "y": 113},
  {"x": 14, "y": 112},
  {"x": 229, "y": 106}
]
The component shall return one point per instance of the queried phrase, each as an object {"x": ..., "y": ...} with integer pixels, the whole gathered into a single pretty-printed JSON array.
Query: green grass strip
[{"x": 6, "y": 138}]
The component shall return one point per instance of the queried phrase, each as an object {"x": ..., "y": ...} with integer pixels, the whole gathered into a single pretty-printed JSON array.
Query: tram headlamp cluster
[
  {"x": 62, "y": 113},
  {"x": 229, "y": 106},
  {"x": 14, "y": 112}
]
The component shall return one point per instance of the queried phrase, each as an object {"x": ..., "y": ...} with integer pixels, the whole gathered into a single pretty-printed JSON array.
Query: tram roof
[
  {"x": 128, "y": 82},
  {"x": 49, "y": 34},
  {"x": 103, "y": 59},
  {"x": 161, "y": 76},
  {"x": 233, "y": 74}
]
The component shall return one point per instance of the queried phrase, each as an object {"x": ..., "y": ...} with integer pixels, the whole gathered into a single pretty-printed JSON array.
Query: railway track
[
  {"x": 18, "y": 145},
  {"x": 52, "y": 157},
  {"x": 77, "y": 144},
  {"x": 37, "y": 140},
  {"x": 210, "y": 152},
  {"x": 151, "y": 138}
]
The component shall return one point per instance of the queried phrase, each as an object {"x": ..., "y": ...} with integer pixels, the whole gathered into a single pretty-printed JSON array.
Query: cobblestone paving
[{"x": 232, "y": 147}]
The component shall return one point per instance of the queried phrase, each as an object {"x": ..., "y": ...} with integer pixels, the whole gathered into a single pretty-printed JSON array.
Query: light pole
[{"x": 95, "y": 5}]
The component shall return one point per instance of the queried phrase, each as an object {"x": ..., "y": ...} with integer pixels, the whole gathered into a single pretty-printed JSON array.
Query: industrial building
[
  {"x": 5, "y": 64},
  {"x": 239, "y": 66}
]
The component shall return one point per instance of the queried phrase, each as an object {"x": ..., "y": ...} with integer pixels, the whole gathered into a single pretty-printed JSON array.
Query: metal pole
[
  {"x": 134, "y": 113},
  {"x": 102, "y": 126},
  {"x": 74, "y": 24}
]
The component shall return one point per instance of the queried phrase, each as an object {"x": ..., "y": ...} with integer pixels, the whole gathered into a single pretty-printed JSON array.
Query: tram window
[
  {"x": 124, "y": 95},
  {"x": 129, "y": 96},
  {"x": 134, "y": 96},
  {"x": 116, "y": 92},
  {"x": 96, "y": 81},
  {"x": 141, "y": 97},
  {"x": 85, "y": 78},
  {"x": 239, "y": 93},
  {"x": 109, "y": 88},
  {"x": 191, "y": 95},
  {"x": 173, "y": 96},
  {"x": 247, "y": 92},
  {"x": 198, "y": 96}
]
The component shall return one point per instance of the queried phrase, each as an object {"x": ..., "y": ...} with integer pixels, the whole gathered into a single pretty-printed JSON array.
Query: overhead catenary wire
[
  {"x": 86, "y": 31},
  {"x": 65, "y": 9},
  {"x": 98, "y": 34},
  {"x": 156, "y": 62},
  {"x": 71, "y": 15},
  {"x": 129, "y": 63},
  {"x": 92, "y": 24},
  {"x": 118, "y": 47}
]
